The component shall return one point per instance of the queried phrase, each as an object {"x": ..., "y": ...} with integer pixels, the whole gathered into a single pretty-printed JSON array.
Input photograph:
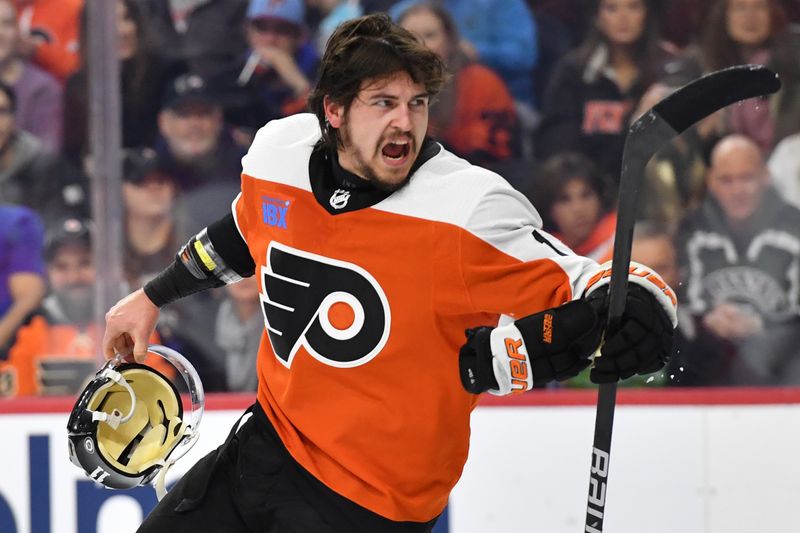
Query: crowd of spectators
[{"x": 541, "y": 91}]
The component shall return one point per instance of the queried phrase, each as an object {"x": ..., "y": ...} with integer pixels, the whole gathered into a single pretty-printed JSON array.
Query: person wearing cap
[
  {"x": 331, "y": 13},
  {"x": 194, "y": 143},
  {"x": 148, "y": 193},
  {"x": 275, "y": 76},
  {"x": 56, "y": 351},
  {"x": 151, "y": 232}
]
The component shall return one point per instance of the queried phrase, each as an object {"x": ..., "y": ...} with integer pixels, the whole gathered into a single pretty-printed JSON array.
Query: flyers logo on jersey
[{"x": 335, "y": 310}]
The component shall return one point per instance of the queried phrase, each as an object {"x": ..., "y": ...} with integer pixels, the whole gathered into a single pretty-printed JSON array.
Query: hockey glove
[
  {"x": 534, "y": 350},
  {"x": 642, "y": 343}
]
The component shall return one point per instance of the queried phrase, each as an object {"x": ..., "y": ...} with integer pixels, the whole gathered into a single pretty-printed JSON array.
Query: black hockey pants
[{"x": 251, "y": 484}]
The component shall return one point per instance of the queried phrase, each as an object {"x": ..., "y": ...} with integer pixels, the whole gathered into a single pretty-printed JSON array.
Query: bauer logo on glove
[{"x": 532, "y": 351}]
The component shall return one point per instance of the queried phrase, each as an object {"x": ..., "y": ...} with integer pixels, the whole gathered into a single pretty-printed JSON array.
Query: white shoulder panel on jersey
[
  {"x": 449, "y": 189},
  {"x": 446, "y": 189},
  {"x": 281, "y": 149}
]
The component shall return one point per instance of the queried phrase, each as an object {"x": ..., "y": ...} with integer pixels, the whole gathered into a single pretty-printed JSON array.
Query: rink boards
[{"x": 697, "y": 461}]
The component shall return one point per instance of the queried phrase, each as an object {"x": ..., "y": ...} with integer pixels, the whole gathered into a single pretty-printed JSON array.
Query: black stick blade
[{"x": 712, "y": 92}]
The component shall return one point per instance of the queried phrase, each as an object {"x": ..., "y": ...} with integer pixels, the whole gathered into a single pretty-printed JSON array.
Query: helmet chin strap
[
  {"x": 115, "y": 418},
  {"x": 187, "y": 440}
]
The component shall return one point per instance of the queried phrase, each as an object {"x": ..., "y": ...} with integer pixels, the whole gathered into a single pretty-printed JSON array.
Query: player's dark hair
[{"x": 370, "y": 47}]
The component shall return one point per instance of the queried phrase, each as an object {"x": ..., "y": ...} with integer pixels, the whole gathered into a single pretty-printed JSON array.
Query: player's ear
[{"x": 333, "y": 111}]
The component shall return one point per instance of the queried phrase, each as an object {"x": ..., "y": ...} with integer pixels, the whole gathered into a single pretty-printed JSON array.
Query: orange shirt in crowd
[
  {"x": 55, "y": 27},
  {"x": 599, "y": 245},
  {"x": 484, "y": 117},
  {"x": 39, "y": 342}
]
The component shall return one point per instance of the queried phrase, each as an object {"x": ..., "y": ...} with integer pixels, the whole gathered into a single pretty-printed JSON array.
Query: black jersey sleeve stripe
[
  {"x": 542, "y": 239},
  {"x": 175, "y": 282},
  {"x": 231, "y": 247},
  {"x": 178, "y": 280}
]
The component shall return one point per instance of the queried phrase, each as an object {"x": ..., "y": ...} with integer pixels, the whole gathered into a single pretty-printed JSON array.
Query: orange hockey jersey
[{"x": 365, "y": 311}]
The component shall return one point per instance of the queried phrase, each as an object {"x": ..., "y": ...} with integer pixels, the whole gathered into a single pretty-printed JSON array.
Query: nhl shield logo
[{"x": 339, "y": 198}]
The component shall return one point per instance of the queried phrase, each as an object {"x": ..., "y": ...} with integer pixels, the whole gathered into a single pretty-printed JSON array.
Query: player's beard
[{"x": 367, "y": 171}]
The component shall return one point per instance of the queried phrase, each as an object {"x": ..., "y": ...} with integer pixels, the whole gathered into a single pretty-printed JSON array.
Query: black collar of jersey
[{"x": 340, "y": 191}]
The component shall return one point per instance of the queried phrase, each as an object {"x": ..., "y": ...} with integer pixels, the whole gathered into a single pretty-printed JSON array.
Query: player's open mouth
[{"x": 396, "y": 151}]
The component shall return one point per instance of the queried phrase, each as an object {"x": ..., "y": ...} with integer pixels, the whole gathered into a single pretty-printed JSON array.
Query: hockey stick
[{"x": 647, "y": 134}]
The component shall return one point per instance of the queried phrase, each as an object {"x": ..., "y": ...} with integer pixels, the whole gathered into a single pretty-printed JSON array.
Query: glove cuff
[
  {"x": 510, "y": 361},
  {"x": 645, "y": 277}
]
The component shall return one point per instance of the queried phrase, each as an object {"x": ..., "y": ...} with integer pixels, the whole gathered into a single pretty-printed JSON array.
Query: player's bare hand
[{"x": 129, "y": 325}]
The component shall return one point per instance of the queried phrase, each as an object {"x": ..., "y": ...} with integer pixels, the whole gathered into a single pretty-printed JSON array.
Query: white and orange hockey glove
[
  {"x": 557, "y": 344},
  {"x": 532, "y": 351},
  {"x": 642, "y": 343}
]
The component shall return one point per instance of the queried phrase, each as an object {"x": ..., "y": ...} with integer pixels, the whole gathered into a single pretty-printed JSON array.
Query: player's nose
[{"x": 402, "y": 118}]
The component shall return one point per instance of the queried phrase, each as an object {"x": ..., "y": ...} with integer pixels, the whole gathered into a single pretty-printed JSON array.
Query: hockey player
[{"x": 375, "y": 249}]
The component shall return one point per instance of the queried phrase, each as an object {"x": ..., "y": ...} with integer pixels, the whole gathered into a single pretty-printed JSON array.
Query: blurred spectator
[
  {"x": 571, "y": 195},
  {"x": 674, "y": 180},
  {"x": 682, "y": 21},
  {"x": 195, "y": 147},
  {"x": 784, "y": 167},
  {"x": 331, "y": 13},
  {"x": 273, "y": 79},
  {"x": 239, "y": 323},
  {"x": 142, "y": 83},
  {"x": 21, "y": 271},
  {"x": 595, "y": 89},
  {"x": 148, "y": 192},
  {"x": 39, "y": 95},
  {"x": 755, "y": 31},
  {"x": 560, "y": 27},
  {"x": 501, "y": 34},
  {"x": 739, "y": 254},
  {"x": 31, "y": 176},
  {"x": 151, "y": 237},
  {"x": 572, "y": 15},
  {"x": 653, "y": 245},
  {"x": 59, "y": 348},
  {"x": 49, "y": 34},
  {"x": 204, "y": 36},
  {"x": 474, "y": 115}
]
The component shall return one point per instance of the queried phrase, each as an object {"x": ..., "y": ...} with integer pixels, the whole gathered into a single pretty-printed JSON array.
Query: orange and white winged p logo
[{"x": 336, "y": 310}]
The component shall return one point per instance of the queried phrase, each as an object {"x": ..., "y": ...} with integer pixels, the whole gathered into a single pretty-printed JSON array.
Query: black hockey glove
[
  {"x": 642, "y": 343},
  {"x": 534, "y": 350}
]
